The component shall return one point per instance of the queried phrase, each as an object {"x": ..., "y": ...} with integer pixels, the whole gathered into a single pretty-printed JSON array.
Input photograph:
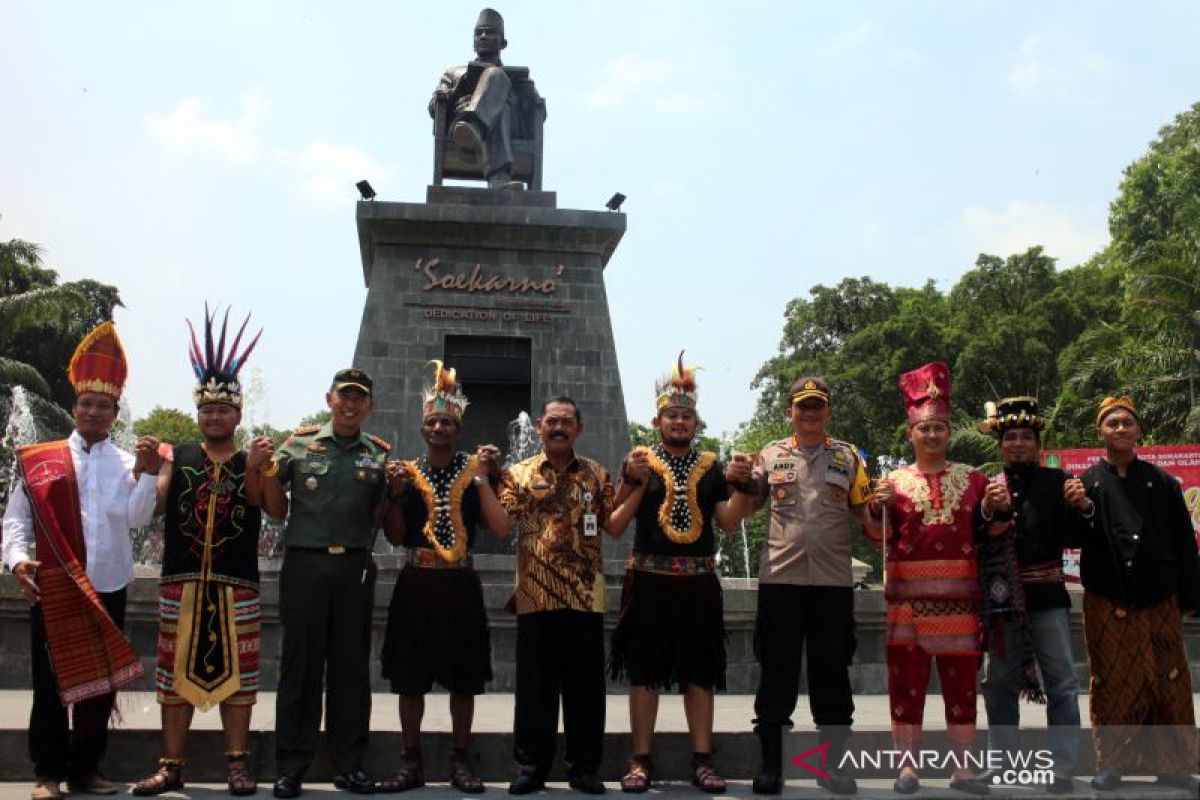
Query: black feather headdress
[{"x": 217, "y": 370}]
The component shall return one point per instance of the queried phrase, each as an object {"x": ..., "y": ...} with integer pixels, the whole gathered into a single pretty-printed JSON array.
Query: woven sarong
[{"x": 88, "y": 652}]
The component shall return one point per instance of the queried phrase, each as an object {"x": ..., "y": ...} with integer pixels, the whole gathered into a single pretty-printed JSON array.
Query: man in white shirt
[{"x": 75, "y": 505}]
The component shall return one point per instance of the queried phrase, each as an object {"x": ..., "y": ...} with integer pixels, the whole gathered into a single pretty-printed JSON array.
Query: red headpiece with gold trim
[
  {"x": 98, "y": 364},
  {"x": 926, "y": 392},
  {"x": 677, "y": 389}
]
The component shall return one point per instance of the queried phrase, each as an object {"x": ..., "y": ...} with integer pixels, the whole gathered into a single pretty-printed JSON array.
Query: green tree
[
  {"x": 1152, "y": 351},
  {"x": 169, "y": 425},
  {"x": 30, "y": 300}
]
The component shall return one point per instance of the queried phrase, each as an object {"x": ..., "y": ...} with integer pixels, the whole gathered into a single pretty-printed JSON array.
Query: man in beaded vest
[
  {"x": 208, "y": 623},
  {"x": 814, "y": 485},
  {"x": 437, "y": 624},
  {"x": 671, "y": 630}
]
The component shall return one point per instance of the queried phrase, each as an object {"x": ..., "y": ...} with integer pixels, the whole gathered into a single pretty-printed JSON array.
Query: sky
[{"x": 208, "y": 151}]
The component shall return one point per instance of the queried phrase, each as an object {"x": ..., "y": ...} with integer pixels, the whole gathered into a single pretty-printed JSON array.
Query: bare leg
[
  {"x": 643, "y": 713},
  {"x": 412, "y": 711},
  {"x": 698, "y": 708},
  {"x": 236, "y": 721},
  {"x": 176, "y": 719},
  {"x": 462, "y": 714}
]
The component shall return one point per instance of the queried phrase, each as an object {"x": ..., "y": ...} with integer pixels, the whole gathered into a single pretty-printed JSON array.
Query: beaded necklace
[
  {"x": 442, "y": 489},
  {"x": 679, "y": 515}
]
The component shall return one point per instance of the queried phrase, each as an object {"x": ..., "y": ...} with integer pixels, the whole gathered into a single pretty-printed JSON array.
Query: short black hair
[{"x": 562, "y": 398}]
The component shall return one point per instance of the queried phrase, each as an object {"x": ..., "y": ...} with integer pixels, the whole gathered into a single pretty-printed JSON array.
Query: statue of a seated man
[{"x": 481, "y": 101}]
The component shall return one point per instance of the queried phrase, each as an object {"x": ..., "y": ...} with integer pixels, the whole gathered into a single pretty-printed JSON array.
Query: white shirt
[{"x": 110, "y": 502}]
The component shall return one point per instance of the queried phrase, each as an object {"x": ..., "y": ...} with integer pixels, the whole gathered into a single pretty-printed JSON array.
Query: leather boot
[
  {"x": 770, "y": 776},
  {"x": 839, "y": 781}
]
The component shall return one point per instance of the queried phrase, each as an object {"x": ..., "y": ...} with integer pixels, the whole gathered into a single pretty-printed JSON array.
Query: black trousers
[
  {"x": 325, "y": 604},
  {"x": 560, "y": 653},
  {"x": 790, "y": 617},
  {"x": 66, "y": 743}
]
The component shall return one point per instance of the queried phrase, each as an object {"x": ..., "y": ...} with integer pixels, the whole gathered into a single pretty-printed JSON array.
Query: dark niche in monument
[{"x": 493, "y": 278}]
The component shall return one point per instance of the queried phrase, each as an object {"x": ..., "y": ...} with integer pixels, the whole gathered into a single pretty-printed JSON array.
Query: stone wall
[{"x": 868, "y": 673}]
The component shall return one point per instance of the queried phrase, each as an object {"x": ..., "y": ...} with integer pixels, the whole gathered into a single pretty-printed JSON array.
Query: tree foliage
[{"x": 42, "y": 321}]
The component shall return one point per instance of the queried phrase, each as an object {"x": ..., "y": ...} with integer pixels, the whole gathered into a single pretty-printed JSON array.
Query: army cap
[
  {"x": 352, "y": 378},
  {"x": 810, "y": 386}
]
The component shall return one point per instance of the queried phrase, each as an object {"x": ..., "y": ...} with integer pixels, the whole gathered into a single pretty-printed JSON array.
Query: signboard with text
[{"x": 1180, "y": 460}]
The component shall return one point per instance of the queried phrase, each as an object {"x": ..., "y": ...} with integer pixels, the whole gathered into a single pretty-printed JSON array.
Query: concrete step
[{"x": 135, "y": 743}]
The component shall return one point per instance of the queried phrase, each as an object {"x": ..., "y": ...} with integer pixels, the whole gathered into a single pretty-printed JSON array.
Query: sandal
[
  {"x": 410, "y": 776},
  {"x": 462, "y": 778},
  {"x": 167, "y": 778},
  {"x": 637, "y": 775},
  {"x": 704, "y": 774},
  {"x": 239, "y": 779}
]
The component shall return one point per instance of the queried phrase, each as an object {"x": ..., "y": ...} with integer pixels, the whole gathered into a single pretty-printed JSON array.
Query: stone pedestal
[{"x": 505, "y": 287}]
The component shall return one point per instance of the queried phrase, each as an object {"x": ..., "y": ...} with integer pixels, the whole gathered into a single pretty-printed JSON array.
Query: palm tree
[{"x": 30, "y": 297}]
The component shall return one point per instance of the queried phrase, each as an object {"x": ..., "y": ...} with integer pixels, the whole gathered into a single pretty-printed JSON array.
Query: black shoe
[
  {"x": 357, "y": 782},
  {"x": 768, "y": 781},
  {"x": 1061, "y": 784},
  {"x": 527, "y": 782},
  {"x": 1107, "y": 780},
  {"x": 287, "y": 786},
  {"x": 839, "y": 782},
  {"x": 1178, "y": 780},
  {"x": 970, "y": 786},
  {"x": 588, "y": 783},
  {"x": 906, "y": 784}
]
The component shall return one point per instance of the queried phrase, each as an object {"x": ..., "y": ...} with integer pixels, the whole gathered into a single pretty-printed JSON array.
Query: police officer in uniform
[
  {"x": 340, "y": 485},
  {"x": 814, "y": 483}
]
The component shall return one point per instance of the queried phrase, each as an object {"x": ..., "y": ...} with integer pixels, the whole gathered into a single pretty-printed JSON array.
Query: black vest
[{"x": 234, "y": 541}]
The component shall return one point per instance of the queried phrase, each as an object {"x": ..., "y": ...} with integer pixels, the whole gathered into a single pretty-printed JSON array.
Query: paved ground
[
  {"x": 870, "y": 790},
  {"x": 493, "y": 713}
]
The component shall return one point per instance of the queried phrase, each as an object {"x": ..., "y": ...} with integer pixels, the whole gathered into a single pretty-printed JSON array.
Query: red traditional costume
[{"x": 932, "y": 587}]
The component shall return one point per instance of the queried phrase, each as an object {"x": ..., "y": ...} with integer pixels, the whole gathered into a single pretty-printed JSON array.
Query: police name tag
[{"x": 591, "y": 526}]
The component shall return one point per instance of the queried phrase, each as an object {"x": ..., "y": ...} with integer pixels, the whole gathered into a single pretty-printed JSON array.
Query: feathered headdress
[
  {"x": 98, "y": 364},
  {"x": 444, "y": 396},
  {"x": 678, "y": 388},
  {"x": 216, "y": 370}
]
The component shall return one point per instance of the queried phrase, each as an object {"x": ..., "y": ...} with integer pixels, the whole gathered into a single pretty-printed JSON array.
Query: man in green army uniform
[{"x": 340, "y": 483}]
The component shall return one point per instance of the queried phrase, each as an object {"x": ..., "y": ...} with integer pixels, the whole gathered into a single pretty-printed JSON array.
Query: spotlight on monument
[
  {"x": 614, "y": 202},
  {"x": 367, "y": 192}
]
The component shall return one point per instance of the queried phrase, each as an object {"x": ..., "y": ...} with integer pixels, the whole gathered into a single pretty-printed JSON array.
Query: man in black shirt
[
  {"x": 671, "y": 630},
  {"x": 1027, "y": 609},
  {"x": 1140, "y": 574},
  {"x": 437, "y": 625}
]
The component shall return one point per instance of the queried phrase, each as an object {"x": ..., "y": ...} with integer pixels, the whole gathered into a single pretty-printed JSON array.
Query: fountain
[
  {"x": 28, "y": 418},
  {"x": 523, "y": 440}
]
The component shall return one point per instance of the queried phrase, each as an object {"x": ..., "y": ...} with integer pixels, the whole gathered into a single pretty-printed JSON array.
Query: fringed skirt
[
  {"x": 671, "y": 631},
  {"x": 437, "y": 631}
]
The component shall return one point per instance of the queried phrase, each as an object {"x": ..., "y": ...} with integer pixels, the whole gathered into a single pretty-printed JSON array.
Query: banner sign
[{"x": 1180, "y": 460}]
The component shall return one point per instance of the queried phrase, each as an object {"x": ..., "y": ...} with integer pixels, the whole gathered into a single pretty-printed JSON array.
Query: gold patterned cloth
[
  {"x": 559, "y": 566},
  {"x": 1143, "y": 721}
]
